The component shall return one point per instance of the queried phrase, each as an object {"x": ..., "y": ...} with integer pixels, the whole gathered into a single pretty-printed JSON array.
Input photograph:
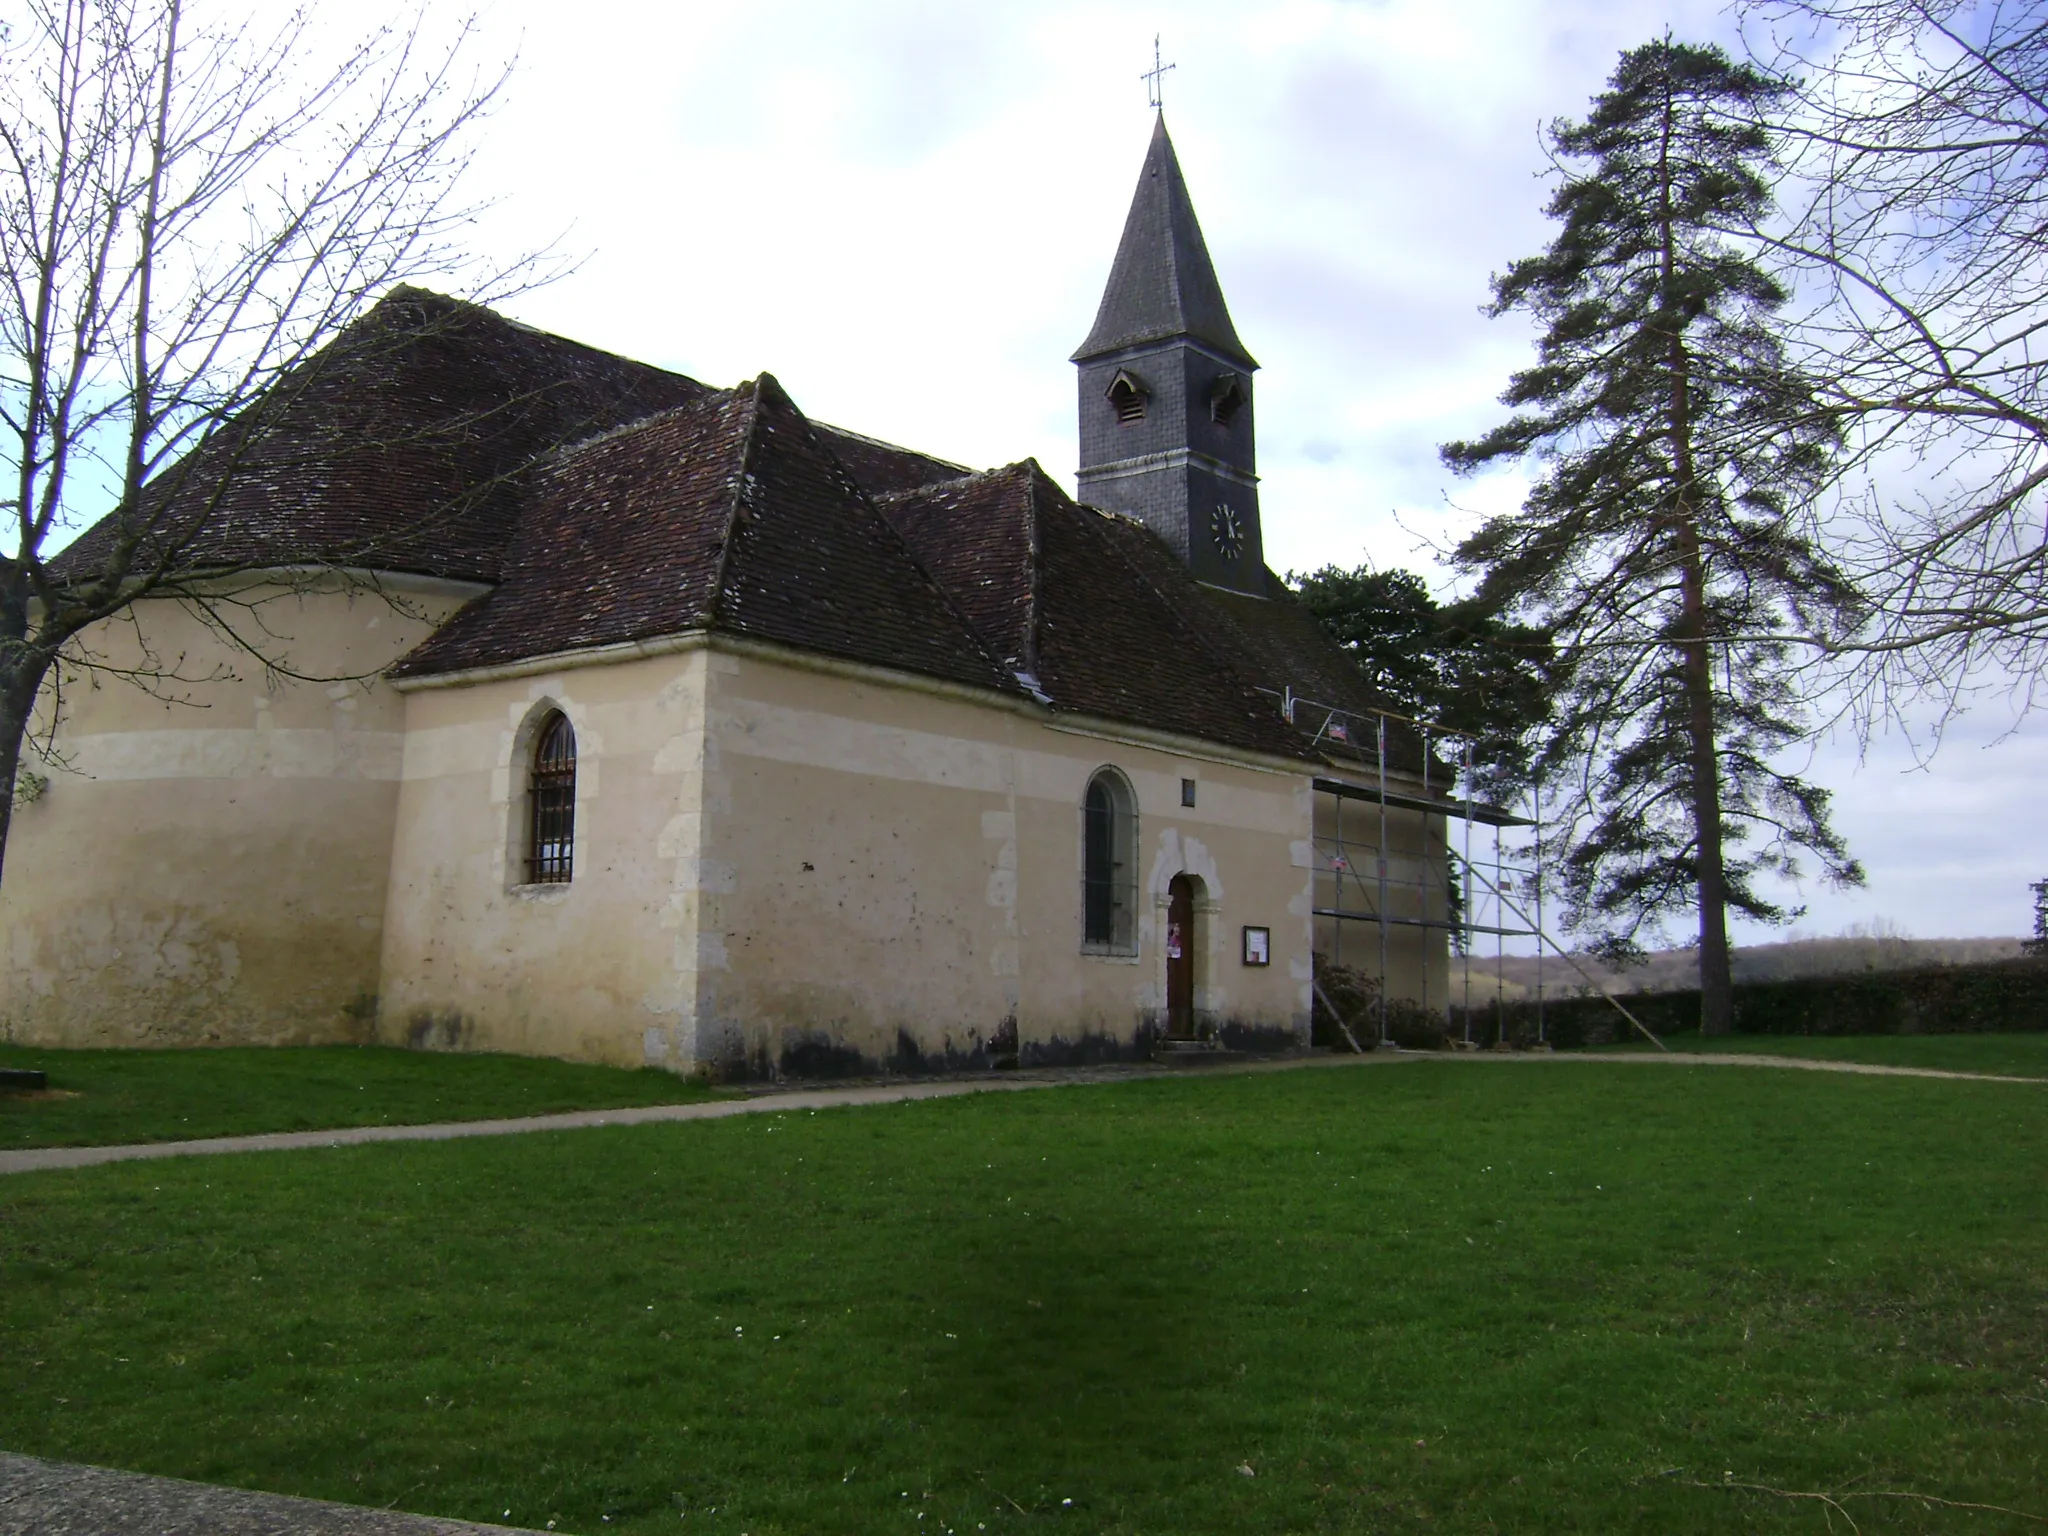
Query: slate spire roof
[{"x": 1163, "y": 285}]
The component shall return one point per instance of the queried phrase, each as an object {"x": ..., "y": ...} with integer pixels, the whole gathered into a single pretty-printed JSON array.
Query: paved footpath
[
  {"x": 894, "y": 1092},
  {"x": 58, "y": 1498}
]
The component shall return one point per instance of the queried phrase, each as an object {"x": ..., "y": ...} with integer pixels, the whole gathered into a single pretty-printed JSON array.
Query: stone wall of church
[
  {"x": 909, "y": 891},
  {"x": 789, "y": 868},
  {"x": 603, "y": 967},
  {"x": 207, "y": 864}
]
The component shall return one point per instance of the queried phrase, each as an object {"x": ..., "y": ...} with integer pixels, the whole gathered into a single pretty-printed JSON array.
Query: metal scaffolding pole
[
  {"x": 1337, "y": 882},
  {"x": 1466, "y": 911},
  {"x": 1500, "y": 1027},
  {"x": 1382, "y": 851},
  {"x": 1536, "y": 875},
  {"x": 1424, "y": 862}
]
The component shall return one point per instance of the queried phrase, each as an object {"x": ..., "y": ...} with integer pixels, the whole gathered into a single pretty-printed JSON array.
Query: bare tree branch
[{"x": 190, "y": 215}]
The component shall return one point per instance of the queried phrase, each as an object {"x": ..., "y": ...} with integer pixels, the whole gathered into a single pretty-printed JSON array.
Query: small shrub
[
  {"x": 1356, "y": 998},
  {"x": 1407, "y": 1023}
]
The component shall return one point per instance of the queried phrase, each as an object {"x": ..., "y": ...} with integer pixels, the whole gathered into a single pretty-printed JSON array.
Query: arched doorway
[{"x": 1182, "y": 943}]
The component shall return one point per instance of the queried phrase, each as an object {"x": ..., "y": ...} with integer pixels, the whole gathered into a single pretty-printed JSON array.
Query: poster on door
[{"x": 1173, "y": 941}]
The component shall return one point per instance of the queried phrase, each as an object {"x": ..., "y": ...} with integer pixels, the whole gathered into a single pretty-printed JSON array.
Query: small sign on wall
[{"x": 1258, "y": 946}]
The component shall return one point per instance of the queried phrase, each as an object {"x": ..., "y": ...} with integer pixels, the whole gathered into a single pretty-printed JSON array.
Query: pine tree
[{"x": 1663, "y": 543}]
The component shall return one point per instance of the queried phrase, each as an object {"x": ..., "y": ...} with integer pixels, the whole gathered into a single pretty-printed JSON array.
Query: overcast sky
[{"x": 906, "y": 212}]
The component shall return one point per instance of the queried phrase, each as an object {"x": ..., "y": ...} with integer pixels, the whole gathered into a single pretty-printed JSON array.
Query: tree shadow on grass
[{"x": 1077, "y": 1347}]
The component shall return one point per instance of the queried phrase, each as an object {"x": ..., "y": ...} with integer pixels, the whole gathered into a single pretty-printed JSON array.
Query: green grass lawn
[
  {"x": 2016, "y": 1055},
  {"x": 1432, "y": 1296},
  {"x": 101, "y": 1097}
]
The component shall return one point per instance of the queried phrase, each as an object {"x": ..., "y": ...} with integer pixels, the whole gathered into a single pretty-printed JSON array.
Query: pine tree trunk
[
  {"x": 1717, "y": 986},
  {"x": 1717, "y": 983}
]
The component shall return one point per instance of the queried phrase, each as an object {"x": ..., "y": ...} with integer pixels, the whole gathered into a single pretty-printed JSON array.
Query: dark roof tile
[
  {"x": 406, "y": 445},
  {"x": 1090, "y": 607},
  {"x": 730, "y": 513}
]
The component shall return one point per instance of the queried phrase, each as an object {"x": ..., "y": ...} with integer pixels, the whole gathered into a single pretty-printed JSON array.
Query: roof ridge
[
  {"x": 747, "y": 397},
  {"x": 906, "y": 492},
  {"x": 638, "y": 423},
  {"x": 412, "y": 293},
  {"x": 878, "y": 442},
  {"x": 938, "y": 589}
]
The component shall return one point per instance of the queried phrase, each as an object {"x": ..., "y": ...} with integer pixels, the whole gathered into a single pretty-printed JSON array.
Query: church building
[{"x": 614, "y": 716}]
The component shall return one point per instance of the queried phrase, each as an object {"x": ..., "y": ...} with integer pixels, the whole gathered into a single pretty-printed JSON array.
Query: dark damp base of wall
[
  {"x": 821, "y": 1056},
  {"x": 1259, "y": 1039}
]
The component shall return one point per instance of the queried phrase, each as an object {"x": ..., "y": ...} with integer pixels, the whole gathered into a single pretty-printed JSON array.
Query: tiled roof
[
  {"x": 1090, "y": 608},
  {"x": 1162, "y": 284},
  {"x": 406, "y": 444},
  {"x": 605, "y": 501},
  {"x": 402, "y": 446},
  {"x": 729, "y": 513}
]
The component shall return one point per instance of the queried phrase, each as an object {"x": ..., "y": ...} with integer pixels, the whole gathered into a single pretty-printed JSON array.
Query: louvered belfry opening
[
  {"x": 551, "y": 794},
  {"x": 1226, "y": 399},
  {"x": 1127, "y": 398}
]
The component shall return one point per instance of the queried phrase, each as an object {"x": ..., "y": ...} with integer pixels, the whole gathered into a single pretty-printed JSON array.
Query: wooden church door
[{"x": 1180, "y": 958}]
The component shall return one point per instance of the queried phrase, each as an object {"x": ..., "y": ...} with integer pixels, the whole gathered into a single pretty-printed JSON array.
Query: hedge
[{"x": 1990, "y": 997}]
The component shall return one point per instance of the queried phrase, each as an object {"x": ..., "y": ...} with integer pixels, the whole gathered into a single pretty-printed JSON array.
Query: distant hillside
[{"x": 1677, "y": 970}]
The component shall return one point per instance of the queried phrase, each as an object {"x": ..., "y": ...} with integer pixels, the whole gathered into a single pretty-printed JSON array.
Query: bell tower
[{"x": 1166, "y": 390}]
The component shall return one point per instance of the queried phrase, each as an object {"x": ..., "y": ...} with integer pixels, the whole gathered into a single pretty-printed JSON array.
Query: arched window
[
  {"x": 1108, "y": 865},
  {"x": 551, "y": 803}
]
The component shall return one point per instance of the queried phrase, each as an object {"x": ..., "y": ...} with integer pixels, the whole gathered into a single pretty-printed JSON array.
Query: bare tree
[
  {"x": 189, "y": 214},
  {"x": 1918, "y": 230}
]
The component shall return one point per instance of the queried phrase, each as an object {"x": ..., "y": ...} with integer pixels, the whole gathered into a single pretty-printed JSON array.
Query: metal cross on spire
[{"x": 1155, "y": 77}]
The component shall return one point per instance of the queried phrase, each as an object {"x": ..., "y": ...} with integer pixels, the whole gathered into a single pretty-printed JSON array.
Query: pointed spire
[{"x": 1163, "y": 285}]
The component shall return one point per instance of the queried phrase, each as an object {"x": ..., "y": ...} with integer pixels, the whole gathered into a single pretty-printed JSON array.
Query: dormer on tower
[{"x": 1166, "y": 390}]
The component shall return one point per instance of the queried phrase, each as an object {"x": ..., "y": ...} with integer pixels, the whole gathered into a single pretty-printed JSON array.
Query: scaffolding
[
  {"x": 1466, "y": 893},
  {"x": 1472, "y": 903}
]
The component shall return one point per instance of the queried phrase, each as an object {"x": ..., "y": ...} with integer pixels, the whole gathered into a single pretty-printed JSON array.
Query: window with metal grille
[
  {"x": 551, "y": 801},
  {"x": 1108, "y": 835}
]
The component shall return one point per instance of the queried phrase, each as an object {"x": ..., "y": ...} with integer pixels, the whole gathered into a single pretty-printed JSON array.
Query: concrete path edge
[{"x": 39, "y": 1159}]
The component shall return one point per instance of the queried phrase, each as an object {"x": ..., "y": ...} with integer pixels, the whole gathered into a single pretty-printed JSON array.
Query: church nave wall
[
  {"x": 909, "y": 882},
  {"x": 604, "y": 967},
  {"x": 791, "y": 867},
  {"x": 208, "y": 867}
]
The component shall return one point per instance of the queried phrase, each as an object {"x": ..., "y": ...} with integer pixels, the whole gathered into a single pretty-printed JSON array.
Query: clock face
[{"x": 1228, "y": 531}]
